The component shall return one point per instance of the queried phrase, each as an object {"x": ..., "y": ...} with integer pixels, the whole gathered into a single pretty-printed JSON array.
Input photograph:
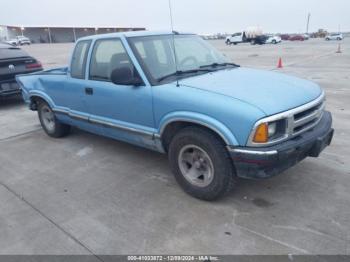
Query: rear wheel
[
  {"x": 274, "y": 42},
  {"x": 49, "y": 122},
  {"x": 201, "y": 164}
]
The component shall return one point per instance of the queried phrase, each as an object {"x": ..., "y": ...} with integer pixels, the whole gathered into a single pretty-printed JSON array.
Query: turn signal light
[{"x": 261, "y": 134}]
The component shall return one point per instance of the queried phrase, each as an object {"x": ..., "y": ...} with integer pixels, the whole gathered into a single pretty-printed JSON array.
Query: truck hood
[{"x": 269, "y": 91}]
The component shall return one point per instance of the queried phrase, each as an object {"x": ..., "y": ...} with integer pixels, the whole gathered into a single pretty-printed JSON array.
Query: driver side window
[{"x": 108, "y": 55}]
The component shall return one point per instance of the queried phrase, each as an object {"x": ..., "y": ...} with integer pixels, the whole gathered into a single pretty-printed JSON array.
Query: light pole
[
  {"x": 308, "y": 22},
  {"x": 75, "y": 35},
  {"x": 22, "y": 29},
  {"x": 49, "y": 31}
]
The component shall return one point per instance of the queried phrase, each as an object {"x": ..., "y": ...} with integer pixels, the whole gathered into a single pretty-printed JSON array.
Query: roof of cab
[{"x": 129, "y": 34}]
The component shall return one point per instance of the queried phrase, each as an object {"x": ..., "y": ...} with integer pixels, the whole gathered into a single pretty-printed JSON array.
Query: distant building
[{"x": 57, "y": 34}]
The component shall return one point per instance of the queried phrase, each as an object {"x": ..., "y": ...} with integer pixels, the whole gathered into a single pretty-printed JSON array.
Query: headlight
[
  {"x": 272, "y": 129},
  {"x": 266, "y": 132}
]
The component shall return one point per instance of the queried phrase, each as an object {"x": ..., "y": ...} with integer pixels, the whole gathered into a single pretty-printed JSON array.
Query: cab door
[
  {"x": 124, "y": 112},
  {"x": 74, "y": 89},
  {"x": 236, "y": 38}
]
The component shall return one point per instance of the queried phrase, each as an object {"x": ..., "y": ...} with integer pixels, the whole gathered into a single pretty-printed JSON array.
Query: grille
[
  {"x": 306, "y": 119},
  {"x": 298, "y": 120}
]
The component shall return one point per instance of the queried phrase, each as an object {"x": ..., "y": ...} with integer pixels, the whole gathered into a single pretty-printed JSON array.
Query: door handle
[{"x": 89, "y": 91}]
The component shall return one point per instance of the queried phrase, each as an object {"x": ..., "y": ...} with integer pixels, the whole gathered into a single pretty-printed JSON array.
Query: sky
[{"x": 198, "y": 16}]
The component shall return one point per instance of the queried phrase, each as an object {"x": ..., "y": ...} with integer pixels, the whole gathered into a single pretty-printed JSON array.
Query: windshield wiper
[
  {"x": 183, "y": 72},
  {"x": 220, "y": 64}
]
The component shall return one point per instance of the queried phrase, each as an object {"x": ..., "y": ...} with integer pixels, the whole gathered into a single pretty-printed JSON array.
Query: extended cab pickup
[{"x": 215, "y": 120}]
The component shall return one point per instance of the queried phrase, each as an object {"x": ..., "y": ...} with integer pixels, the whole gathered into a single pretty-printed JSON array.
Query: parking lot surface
[{"x": 86, "y": 194}]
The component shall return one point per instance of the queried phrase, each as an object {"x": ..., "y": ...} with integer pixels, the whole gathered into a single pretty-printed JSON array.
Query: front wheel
[
  {"x": 49, "y": 122},
  {"x": 201, "y": 164}
]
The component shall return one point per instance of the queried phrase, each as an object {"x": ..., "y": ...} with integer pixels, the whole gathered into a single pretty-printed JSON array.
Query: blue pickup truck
[{"x": 174, "y": 93}]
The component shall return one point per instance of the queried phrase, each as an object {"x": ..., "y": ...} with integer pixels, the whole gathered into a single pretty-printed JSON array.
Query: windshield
[{"x": 156, "y": 55}]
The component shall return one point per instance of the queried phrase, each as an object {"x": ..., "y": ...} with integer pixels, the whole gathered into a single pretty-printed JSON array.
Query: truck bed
[
  {"x": 53, "y": 71},
  {"x": 42, "y": 83}
]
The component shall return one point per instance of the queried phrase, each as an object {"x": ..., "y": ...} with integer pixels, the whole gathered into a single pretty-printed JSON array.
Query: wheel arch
[
  {"x": 173, "y": 123},
  {"x": 35, "y": 97}
]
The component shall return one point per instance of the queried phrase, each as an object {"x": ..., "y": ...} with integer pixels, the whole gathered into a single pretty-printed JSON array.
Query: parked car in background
[
  {"x": 14, "y": 61},
  {"x": 19, "y": 40},
  {"x": 215, "y": 120},
  {"x": 306, "y": 36},
  {"x": 336, "y": 36},
  {"x": 13, "y": 42},
  {"x": 22, "y": 40},
  {"x": 285, "y": 37},
  {"x": 296, "y": 38},
  {"x": 273, "y": 39}
]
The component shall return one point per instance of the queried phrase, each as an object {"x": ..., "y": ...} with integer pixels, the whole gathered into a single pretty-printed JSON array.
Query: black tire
[
  {"x": 53, "y": 127},
  {"x": 223, "y": 178},
  {"x": 338, "y": 38},
  {"x": 274, "y": 42}
]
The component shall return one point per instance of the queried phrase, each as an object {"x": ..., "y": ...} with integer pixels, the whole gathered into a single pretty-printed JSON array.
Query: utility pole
[
  {"x": 74, "y": 35},
  {"x": 308, "y": 22},
  {"x": 50, "y": 39}
]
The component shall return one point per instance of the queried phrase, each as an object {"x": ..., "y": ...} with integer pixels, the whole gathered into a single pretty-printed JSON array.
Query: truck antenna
[{"x": 173, "y": 39}]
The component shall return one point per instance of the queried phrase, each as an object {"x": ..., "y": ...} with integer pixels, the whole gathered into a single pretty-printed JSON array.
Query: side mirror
[{"x": 124, "y": 76}]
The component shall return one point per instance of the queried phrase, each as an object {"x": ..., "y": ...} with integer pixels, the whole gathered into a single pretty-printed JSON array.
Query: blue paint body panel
[
  {"x": 270, "y": 91},
  {"x": 227, "y": 101}
]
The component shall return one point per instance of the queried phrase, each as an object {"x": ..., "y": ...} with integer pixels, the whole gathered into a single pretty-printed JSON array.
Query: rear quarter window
[{"x": 79, "y": 59}]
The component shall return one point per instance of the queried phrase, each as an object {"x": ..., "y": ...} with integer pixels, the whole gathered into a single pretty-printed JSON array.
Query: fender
[
  {"x": 200, "y": 119},
  {"x": 42, "y": 95}
]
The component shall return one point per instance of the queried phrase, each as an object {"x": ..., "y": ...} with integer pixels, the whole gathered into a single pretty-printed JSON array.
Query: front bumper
[{"x": 270, "y": 161}]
